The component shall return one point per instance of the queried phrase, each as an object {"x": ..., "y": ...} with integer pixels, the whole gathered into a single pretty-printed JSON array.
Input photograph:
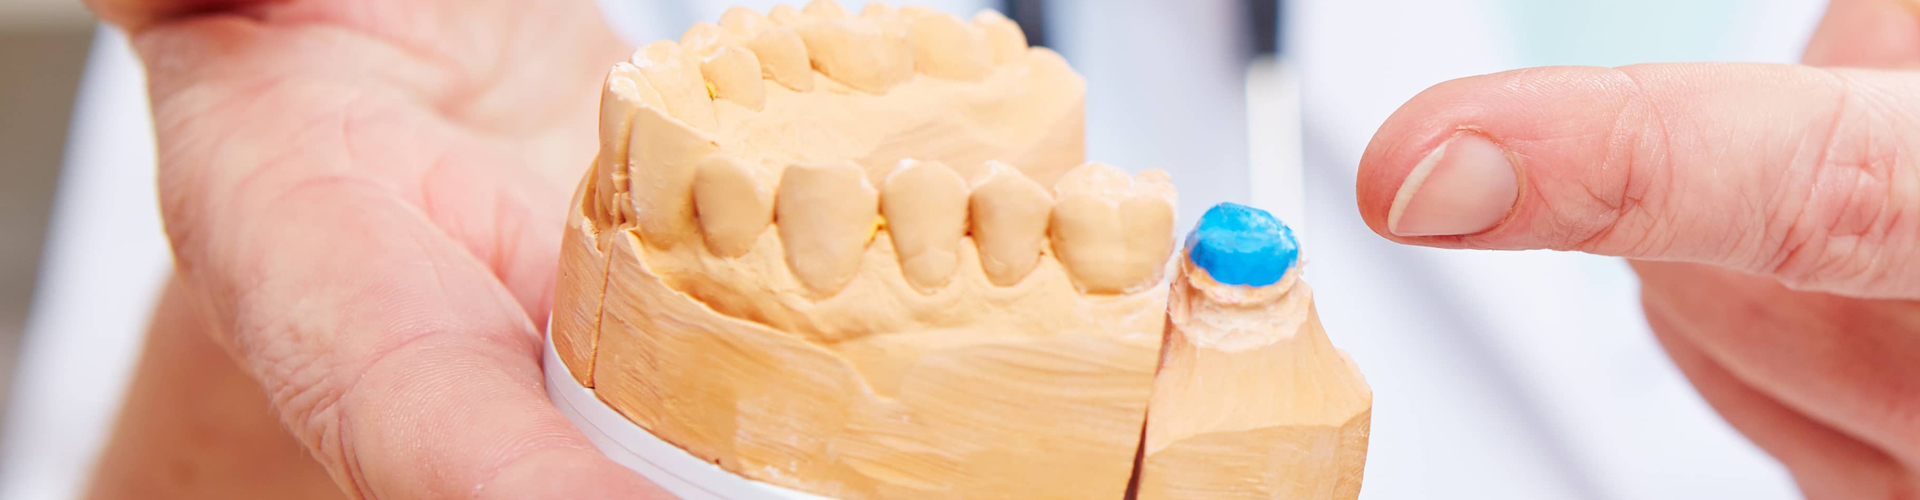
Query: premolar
[
  {"x": 925, "y": 205},
  {"x": 1009, "y": 214}
]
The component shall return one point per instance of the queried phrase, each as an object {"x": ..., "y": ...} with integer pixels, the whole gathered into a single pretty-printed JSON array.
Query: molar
[
  {"x": 1004, "y": 38},
  {"x": 665, "y": 156},
  {"x": 783, "y": 57},
  {"x": 859, "y": 53},
  {"x": 676, "y": 75},
  {"x": 825, "y": 214},
  {"x": 734, "y": 75},
  {"x": 1112, "y": 233},
  {"x": 944, "y": 47},
  {"x": 925, "y": 205},
  {"x": 733, "y": 206},
  {"x": 1009, "y": 222}
]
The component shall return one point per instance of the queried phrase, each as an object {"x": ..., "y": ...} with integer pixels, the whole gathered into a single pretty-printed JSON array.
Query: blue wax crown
[{"x": 1242, "y": 245}]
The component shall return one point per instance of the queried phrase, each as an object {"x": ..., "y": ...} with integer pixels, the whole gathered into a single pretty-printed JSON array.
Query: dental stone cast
[
  {"x": 1251, "y": 401},
  {"x": 862, "y": 255}
]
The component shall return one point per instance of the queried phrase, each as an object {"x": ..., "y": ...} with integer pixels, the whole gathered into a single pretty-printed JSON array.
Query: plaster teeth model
[{"x": 861, "y": 256}]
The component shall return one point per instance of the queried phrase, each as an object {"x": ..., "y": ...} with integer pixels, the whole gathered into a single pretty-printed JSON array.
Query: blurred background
[
  {"x": 43, "y": 44},
  {"x": 1497, "y": 375}
]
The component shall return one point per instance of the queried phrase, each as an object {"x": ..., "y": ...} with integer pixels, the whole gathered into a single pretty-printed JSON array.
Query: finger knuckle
[
  {"x": 1627, "y": 204},
  {"x": 1857, "y": 206}
]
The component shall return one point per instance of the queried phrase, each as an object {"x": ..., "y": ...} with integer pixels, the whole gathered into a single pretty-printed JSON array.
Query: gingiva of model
[{"x": 861, "y": 255}]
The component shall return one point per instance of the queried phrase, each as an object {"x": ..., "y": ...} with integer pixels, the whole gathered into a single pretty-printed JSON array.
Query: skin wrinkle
[
  {"x": 191, "y": 202},
  {"x": 314, "y": 405},
  {"x": 353, "y": 478},
  {"x": 1789, "y": 220},
  {"x": 1826, "y": 253},
  {"x": 1878, "y": 230},
  {"x": 470, "y": 102},
  {"x": 323, "y": 404},
  {"x": 1621, "y": 201},
  {"x": 422, "y": 54},
  {"x": 223, "y": 87},
  {"x": 220, "y": 211}
]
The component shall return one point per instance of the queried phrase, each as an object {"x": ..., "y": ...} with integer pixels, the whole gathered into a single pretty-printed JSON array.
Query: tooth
[
  {"x": 665, "y": 156},
  {"x": 944, "y": 47},
  {"x": 743, "y": 22},
  {"x": 626, "y": 90},
  {"x": 1112, "y": 233},
  {"x": 1009, "y": 213},
  {"x": 877, "y": 10},
  {"x": 1156, "y": 182},
  {"x": 1046, "y": 65},
  {"x": 677, "y": 77},
  {"x": 858, "y": 53},
  {"x": 925, "y": 205},
  {"x": 886, "y": 17},
  {"x": 786, "y": 15},
  {"x": 1004, "y": 37},
  {"x": 732, "y": 205},
  {"x": 734, "y": 74},
  {"x": 912, "y": 12},
  {"x": 1100, "y": 180},
  {"x": 825, "y": 214},
  {"x": 783, "y": 58},
  {"x": 825, "y": 10},
  {"x": 703, "y": 38}
]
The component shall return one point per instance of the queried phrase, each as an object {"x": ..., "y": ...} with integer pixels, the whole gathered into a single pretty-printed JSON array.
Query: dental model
[{"x": 861, "y": 256}]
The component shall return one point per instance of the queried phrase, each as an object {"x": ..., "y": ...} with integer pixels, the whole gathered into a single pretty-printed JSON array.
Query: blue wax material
[{"x": 1242, "y": 245}]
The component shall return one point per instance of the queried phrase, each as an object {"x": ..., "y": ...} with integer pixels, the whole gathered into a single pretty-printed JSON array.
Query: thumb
[{"x": 1805, "y": 175}]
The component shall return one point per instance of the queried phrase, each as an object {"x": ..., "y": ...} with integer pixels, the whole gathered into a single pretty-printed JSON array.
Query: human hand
[
  {"x": 370, "y": 194},
  {"x": 1772, "y": 212}
]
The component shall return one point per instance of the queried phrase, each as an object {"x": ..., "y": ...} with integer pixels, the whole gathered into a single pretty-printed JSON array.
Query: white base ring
[{"x": 679, "y": 472}]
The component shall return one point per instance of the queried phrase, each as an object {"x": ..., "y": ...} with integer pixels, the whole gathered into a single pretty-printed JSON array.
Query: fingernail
[{"x": 1465, "y": 186}]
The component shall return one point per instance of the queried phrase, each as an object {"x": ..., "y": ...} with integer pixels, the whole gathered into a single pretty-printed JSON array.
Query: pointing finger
[{"x": 1802, "y": 174}]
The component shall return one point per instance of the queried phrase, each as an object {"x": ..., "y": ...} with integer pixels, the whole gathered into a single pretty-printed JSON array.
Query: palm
[
  {"x": 370, "y": 195},
  {"x": 475, "y": 121}
]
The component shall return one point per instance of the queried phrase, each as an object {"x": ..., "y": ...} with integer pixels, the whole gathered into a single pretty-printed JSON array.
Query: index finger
[{"x": 1793, "y": 172}]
